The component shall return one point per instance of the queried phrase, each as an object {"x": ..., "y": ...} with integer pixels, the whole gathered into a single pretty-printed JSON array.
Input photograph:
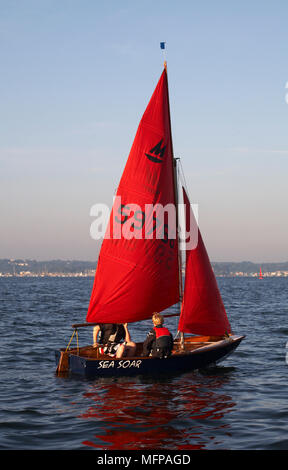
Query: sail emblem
[{"x": 156, "y": 154}]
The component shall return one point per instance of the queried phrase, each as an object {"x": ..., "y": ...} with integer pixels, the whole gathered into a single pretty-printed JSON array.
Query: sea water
[{"x": 240, "y": 404}]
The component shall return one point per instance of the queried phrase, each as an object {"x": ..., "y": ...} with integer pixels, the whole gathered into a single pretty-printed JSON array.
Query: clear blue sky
[{"x": 76, "y": 77}]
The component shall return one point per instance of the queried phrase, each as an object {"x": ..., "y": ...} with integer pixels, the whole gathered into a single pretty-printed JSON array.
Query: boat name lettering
[
  {"x": 125, "y": 364},
  {"x": 121, "y": 364},
  {"x": 106, "y": 364}
]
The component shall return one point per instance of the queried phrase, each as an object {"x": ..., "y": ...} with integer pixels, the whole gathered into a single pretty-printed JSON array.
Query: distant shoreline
[
  {"x": 28, "y": 274},
  {"x": 81, "y": 275},
  {"x": 77, "y": 268}
]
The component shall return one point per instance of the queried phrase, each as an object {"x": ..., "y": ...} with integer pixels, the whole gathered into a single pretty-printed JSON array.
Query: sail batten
[{"x": 138, "y": 274}]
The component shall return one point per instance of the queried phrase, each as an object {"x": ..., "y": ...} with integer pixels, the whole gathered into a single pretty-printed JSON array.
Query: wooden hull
[{"x": 195, "y": 356}]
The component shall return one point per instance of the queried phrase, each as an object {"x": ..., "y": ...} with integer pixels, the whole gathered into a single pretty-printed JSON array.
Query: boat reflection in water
[{"x": 185, "y": 413}]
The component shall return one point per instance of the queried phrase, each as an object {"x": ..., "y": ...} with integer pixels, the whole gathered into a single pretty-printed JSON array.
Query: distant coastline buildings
[
  {"x": 72, "y": 268},
  {"x": 54, "y": 268}
]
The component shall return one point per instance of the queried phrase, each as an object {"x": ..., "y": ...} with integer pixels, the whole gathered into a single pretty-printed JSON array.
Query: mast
[{"x": 175, "y": 179}]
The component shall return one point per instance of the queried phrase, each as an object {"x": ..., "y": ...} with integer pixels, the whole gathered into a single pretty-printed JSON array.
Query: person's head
[{"x": 157, "y": 319}]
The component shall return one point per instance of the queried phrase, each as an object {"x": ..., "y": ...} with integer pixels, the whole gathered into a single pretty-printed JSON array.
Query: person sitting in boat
[
  {"x": 159, "y": 341},
  {"x": 111, "y": 340}
]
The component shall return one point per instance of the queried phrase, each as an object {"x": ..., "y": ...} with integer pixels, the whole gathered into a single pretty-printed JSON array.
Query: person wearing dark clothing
[
  {"x": 109, "y": 333},
  {"x": 159, "y": 341},
  {"x": 111, "y": 336}
]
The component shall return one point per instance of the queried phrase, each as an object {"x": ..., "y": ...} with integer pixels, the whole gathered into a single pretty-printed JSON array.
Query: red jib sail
[
  {"x": 137, "y": 271},
  {"x": 202, "y": 311}
]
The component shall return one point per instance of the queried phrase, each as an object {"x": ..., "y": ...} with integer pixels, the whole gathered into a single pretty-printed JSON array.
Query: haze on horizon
[{"x": 76, "y": 79}]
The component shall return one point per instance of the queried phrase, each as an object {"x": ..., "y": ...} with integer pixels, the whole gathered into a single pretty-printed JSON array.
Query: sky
[{"x": 76, "y": 77}]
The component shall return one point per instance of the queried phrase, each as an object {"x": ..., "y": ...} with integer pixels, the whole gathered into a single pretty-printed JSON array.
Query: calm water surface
[{"x": 241, "y": 404}]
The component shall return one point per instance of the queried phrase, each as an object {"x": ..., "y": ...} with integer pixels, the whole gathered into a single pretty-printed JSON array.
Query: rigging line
[
  {"x": 70, "y": 341},
  {"x": 184, "y": 180},
  {"x": 194, "y": 207},
  {"x": 77, "y": 339}
]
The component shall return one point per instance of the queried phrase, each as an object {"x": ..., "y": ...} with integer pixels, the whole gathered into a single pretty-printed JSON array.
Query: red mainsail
[
  {"x": 136, "y": 276},
  {"x": 202, "y": 310}
]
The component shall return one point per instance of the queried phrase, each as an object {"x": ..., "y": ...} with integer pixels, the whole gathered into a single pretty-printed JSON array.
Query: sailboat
[
  {"x": 260, "y": 274},
  {"x": 139, "y": 269}
]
